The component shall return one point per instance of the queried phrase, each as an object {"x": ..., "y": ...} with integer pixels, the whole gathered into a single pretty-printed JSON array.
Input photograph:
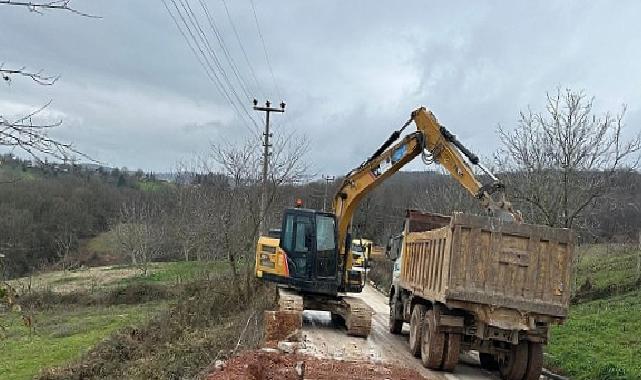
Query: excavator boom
[{"x": 431, "y": 139}]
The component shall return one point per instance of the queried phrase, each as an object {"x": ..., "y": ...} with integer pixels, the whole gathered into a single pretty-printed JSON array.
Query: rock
[
  {"x": 288, "y": 347},
  {"x": 219, "y": 365}
]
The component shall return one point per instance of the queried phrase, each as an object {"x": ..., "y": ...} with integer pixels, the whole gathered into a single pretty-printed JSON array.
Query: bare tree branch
[
  {"x": 32, "y": 137},
  {"x": 37, "y": 77},
  {"x": 38, "y": 7}
]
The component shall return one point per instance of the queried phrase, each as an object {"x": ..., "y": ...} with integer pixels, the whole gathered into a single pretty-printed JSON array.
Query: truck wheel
[
  {"x": 395, "y": 325},
  {"x": 514, "y": 366},
  {"x": 432, "y": 344},
  {"x": 534, "y": 362},
  {"x": 488, "y": 361},
  {"x": 416, "y": 329},
  {"x": 452, "y": 351}
]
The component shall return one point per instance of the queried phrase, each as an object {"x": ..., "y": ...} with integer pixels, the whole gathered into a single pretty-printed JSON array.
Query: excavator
[{"x": 310, "y": 257}]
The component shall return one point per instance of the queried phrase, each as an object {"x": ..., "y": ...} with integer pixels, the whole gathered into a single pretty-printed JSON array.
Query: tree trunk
[
  {"x": 639, "y": 259},
  {"x": 234, "y": 269}
]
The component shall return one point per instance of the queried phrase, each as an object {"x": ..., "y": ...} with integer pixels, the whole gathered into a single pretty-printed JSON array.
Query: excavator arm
[{"x": 430, "y": 138}]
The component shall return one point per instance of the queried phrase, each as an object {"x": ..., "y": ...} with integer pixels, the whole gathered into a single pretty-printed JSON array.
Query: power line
[
  {"x": 262, "y": 40},
  {"x": 242, "y": 49},
  {"x": 191, "y": 16},
  {"x": 203, "y": 37},
  {"x": 191, "y": 47},
  {"x": 204, "y": 60},
  {"x": 221, "y": 42}
]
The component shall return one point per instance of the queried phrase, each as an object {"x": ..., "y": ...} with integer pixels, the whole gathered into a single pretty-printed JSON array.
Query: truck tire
[
  {"x": 416, "y": 329},
  {"x": 534, "y": 361},
  {"x": 515, "y": 365},
  {"x": 488, "y": 361},
  {"x": 452, "y": 351},
  {"x": 432, "y": 343},
  {"x": 395, "y": 325}
]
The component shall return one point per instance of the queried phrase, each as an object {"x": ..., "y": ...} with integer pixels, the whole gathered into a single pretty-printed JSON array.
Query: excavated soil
[
  {"x": 271, "y": 365},
  {"x": 282, "y": 325}
]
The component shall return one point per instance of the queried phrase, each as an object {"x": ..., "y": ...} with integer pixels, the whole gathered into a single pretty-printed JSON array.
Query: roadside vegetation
[
  {"x": 65, "y": 313},
  {"x": 59, "y": 335},
  {"x": 210, "y": 320},
  {"x": 602, "y": 337}
]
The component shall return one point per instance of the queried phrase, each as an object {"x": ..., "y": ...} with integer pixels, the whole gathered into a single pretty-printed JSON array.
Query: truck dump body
[{"x": 469, "y": 261}]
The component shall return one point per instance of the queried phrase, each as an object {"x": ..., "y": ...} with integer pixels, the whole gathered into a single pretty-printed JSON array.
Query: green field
[
  {"x": 602, "y": 338},
  {"x": 64, "y": 332},
  {"x": 606, "y": 267},
  {"x": 61, "y": 335}
]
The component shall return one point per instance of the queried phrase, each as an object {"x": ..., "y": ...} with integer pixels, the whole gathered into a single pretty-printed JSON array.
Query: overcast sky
[{"x": 132, "y": 93}]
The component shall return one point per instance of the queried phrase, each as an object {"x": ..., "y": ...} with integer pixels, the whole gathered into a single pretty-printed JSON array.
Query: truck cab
[{"x": 394, "y": 252}]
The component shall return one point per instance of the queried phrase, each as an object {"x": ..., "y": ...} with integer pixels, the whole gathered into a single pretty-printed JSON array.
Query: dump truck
[{"x": 467, "y": 282}]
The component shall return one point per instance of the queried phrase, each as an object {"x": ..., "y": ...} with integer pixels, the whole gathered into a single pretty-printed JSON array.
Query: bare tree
[
  {"x": 238, "y": 216},
  {"x": 443, "y": 195},
  {"x": 23, "y": 133},
  {"x": 139, "y": 232},
  {"x": 558, "y": 162}
]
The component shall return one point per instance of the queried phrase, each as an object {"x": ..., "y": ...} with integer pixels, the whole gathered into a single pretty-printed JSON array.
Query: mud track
[{"x": 324, "y": 340}]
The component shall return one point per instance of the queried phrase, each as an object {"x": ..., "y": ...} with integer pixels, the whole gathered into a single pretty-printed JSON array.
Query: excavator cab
[{"x": 307, "y": 249}]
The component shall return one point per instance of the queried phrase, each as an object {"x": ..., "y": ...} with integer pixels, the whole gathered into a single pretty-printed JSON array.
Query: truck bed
[{"x": 485, "y": 261}]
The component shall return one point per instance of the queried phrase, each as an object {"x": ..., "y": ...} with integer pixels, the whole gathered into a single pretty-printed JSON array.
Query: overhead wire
[
  {"x": 193, "y": 49},
  {"x": 206, "y": 57},
  {"x": 242, "y": 49},
  {"x": 223, "y": 46},
  {"x": 203, "y": 37},
  {"x": 262, "y": 39}
]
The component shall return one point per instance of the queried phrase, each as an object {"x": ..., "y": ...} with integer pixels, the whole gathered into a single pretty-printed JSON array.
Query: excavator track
[{"x": 356, "y": 313}]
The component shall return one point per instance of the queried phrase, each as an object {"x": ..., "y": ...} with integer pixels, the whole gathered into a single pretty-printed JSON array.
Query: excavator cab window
[
  {"x": 297, "y": 241},
  {"x": 309, "y": 239}
]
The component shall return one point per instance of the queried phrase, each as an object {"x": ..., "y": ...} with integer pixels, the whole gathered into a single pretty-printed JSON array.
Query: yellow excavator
[{"x": 310, "y": 256}]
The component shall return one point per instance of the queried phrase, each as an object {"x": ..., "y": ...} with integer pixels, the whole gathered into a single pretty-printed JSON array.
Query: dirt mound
[{"x": 274, "y": 365}]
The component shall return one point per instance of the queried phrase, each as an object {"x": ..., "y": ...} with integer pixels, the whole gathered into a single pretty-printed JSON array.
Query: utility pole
[
  {"x": 263, "y": 196},
  {"x": 327, "y": 179}
]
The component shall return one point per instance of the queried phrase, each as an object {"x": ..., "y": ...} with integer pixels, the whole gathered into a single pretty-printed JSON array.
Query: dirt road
[{"x": 323, "y": 340}]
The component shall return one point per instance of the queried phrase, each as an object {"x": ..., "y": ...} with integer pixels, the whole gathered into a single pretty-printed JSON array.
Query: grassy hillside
[
  {"x": 72, "y": 311},
  {"x": 602, "y": 338},
  {"x": 61, "y": 335}
]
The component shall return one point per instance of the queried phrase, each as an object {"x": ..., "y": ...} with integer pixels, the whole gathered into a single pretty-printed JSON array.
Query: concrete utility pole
[
  {"x": 263, "y": 196},
  {"x": 327, "y": 179}
]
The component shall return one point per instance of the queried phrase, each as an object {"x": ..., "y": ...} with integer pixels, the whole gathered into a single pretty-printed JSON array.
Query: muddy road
[{"x": 324, "y": 340}]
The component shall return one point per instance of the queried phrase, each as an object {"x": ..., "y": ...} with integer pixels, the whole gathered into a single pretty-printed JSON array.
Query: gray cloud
[{"x": 132, "y": 94}]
